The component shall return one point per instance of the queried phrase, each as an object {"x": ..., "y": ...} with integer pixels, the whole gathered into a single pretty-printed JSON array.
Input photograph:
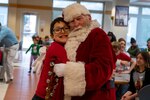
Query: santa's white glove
[{"x": 59, "y": 69}]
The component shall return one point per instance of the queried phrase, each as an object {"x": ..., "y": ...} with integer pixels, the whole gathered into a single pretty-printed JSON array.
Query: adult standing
[
  {"x": 87, "y": 74},
  {"x": 10, "y": 42}
]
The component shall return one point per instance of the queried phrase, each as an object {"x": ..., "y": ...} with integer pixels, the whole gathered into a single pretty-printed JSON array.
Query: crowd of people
[
  {"x": 135, "y": 62},
  {"x": 82, "y": 60}
]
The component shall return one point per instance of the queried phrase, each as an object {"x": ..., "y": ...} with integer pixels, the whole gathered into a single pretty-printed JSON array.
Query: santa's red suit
[
  {"x": 90, "y": 65},
  {"x": 55, "y": 54}
]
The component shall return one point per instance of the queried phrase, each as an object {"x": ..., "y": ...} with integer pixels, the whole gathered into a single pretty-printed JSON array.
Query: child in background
[
  {"x": 39, "y": 41},
  {"x": 122, "y": 67},
  {"x": 123, "y": 60},
  {"x": 139, "y": 76},
  {"x": 34, "y": 52},
  {"x": 39, "y": 61}
]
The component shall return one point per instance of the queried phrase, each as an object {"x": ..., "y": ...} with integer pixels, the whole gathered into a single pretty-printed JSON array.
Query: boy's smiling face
[{"x": 60, "y": 32}]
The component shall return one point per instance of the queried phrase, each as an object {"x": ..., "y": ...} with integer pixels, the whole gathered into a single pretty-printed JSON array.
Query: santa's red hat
[{"x": 73, "y": 11}]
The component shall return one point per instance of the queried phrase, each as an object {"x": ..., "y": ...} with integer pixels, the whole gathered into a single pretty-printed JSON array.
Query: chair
[{"x": 144, "y": 93}]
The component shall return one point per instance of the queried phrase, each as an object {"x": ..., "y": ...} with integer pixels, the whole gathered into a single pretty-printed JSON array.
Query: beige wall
[
  {"x": 107, "y": 17},
  {"x": 17, "y": 8},
  {"x": 43, "y": 10},
  {"x": 120, "y": 32}
]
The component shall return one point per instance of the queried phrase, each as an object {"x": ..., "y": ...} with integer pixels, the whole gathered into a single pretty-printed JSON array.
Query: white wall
[{"x": 120, "y": 32}]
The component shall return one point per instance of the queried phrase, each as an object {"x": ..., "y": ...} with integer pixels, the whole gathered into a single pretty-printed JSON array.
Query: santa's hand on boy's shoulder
[{"x": 59, "y": 69}]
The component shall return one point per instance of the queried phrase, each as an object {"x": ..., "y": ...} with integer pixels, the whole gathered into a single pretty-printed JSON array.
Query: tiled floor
[
  {"x": 24, "y": 84},
  {"x": 3, "y": 89}
]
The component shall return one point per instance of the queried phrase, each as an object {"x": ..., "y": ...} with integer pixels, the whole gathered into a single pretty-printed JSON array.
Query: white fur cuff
[{"x": 74, "y": 79}]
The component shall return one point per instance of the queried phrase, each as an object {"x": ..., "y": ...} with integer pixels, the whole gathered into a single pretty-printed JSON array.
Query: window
[
  {"x": 57, "y": 7},
  {"x": 62, "y": 3},
  {"x": 4, "y": 1},
  {"x": 98, "y": 17},
  {"x": 145, "y": 11},
  {"x": 93, "y": 5},
  {"x": 96, "y": 8},
  {"x": 139, "y": 25},
  {"x": 3, "y": 15},
  {"x": 133, "y": 10},
  {"x": 3, "y": 12}
]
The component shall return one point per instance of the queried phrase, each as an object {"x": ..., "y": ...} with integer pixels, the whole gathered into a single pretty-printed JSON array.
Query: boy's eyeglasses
[{"x": 58, "y": 30}]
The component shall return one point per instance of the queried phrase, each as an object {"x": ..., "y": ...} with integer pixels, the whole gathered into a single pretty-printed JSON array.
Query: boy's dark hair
[
  {"x": 46, "y": 37},
  {"x": 33, "y": 37},
  {"x": 58, "y": 19}
]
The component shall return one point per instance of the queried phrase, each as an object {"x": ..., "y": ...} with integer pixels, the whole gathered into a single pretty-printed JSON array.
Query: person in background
[
  {"x": 123, "y": 60},
  {"x": 124, "y": 65},
  {"x": 139, "y": 76},
  {"x": 39, "y": 41},
  {"x": 39, "y": 61},
  {"x": 148, "y": 46},
  {"x": 10, "y": 43},
  {"x": 133, "y": 49},
  {"x": 46, "y": 39},
  {"x": 34, "y": 52},
  {"x": 50, "y": 87},
  {"x": 91, "y": 58},
  {"x": 122, "y": 42},
  {"x": 111, "y": 36}
]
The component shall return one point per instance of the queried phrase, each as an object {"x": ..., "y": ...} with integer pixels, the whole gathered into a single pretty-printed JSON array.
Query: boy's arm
[{"x": 29, "y": 49}]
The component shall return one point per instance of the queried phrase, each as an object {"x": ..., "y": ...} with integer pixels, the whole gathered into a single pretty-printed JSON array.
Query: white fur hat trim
[{"x": 74, "y": 10}]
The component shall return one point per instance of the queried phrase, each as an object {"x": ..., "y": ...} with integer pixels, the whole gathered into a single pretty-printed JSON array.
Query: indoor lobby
[{"x": 33, "y": 17}]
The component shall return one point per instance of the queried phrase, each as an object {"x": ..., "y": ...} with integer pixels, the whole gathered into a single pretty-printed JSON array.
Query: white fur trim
[
  {"x": 74, "y": 10},
  {"x": 74, "y": 79},
  {"x": 42, "y": 50},
  {"x": 75, "y": 39}
]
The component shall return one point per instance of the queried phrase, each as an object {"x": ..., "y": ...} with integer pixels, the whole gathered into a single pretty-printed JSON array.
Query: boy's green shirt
[{"x": 34, "y": 49}]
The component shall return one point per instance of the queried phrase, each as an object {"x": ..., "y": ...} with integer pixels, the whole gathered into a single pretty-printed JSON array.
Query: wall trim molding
[{"x": 27, "y": 6}]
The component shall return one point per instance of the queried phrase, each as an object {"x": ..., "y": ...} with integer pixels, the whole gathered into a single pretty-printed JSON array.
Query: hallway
[{"x": 23, "y": 85}]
